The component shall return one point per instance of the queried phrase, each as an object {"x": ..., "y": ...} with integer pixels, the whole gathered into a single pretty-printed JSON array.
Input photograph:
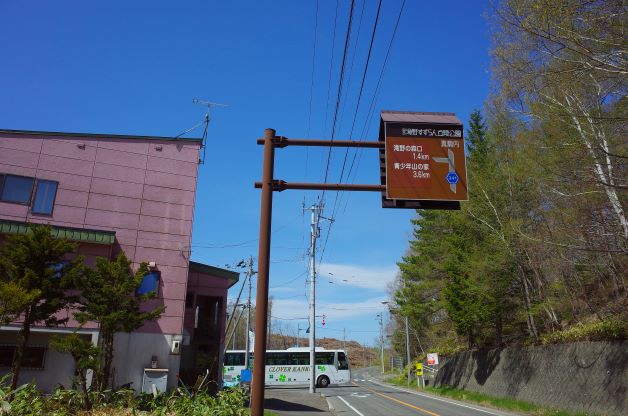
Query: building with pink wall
[{"x": 113, "y": 193}]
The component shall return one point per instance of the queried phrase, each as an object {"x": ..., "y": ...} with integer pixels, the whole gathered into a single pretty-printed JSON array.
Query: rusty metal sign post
[{"x": 390, "y": 197}]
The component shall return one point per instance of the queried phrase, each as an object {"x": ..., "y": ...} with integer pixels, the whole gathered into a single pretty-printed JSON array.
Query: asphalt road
[{"x": 365, "y": 396}]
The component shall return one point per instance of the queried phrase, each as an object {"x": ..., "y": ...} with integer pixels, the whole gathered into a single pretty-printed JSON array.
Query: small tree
[
  {"x": 86, "y": 357},
  {"x": 33, "y": 267},
  {"x": 108, "y": 296},
  {"x": 13, "y": 300}
]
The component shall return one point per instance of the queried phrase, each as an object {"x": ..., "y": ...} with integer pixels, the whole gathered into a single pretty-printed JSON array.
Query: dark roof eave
[
  {"x": 98, "y": 135},
  {"x": 232, "y": 276}
]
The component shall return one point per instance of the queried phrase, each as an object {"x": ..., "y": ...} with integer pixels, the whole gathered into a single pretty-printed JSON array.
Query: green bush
[
  {"x": 607, "y": 330},
  {"x": 27, "y": 400},
  {"x": 226, "y": 403}
]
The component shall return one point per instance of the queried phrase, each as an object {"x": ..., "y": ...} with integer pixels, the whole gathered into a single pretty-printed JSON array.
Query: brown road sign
[{"x": 424, "y": 159}]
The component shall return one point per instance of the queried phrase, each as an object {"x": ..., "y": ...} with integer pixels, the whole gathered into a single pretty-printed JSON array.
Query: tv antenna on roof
[{"x": 205, "y": 121}]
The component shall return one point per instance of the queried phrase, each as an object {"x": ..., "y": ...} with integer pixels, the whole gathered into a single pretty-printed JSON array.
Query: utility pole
[
  {"x": 314, "y": 234},
  {"x": 298, "y": 335},
  {"x": 381, "y": 337},
  {"x": 268, "y": 185},
  {"x": 407, "y": 343},
  {"x": 248, "y": 316},
  {"x": 344, "y": 338}
]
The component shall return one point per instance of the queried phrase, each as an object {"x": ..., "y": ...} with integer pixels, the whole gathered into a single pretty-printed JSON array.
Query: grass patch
[
  {"x": 401, "y": 380},
  {"x": 503, "y": 403}
]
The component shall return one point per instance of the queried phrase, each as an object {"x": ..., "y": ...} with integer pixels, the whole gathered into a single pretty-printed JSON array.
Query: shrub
[{"x": 607, "y": 330}]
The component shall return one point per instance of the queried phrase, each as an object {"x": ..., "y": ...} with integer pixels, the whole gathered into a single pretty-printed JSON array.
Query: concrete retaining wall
[{"x": 586, "y": 377}]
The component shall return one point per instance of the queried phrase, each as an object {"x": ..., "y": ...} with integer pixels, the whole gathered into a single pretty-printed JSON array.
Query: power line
[
  {"x": 355, "y": 50},
  {"x": 339, "y": 93},
  {"x": 357, "y": 107},
  {"x": 331, "y": 64},
  {"x": 370, "y": 108},
  {"x": 309, "y": 113}
]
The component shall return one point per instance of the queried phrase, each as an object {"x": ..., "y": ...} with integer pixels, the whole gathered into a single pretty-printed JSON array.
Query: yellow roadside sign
[{"x": 419, "y": 369}]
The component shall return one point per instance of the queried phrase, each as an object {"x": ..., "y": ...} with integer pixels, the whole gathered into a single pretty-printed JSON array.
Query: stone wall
[{"x": 587, "y": 377}]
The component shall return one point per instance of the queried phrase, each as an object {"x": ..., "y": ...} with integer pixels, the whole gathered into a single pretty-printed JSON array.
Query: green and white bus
[{"x": 292, "y": 367}]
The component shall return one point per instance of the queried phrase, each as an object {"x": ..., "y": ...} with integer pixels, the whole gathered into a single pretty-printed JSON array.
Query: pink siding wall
[{"x": 128, "y": 186}]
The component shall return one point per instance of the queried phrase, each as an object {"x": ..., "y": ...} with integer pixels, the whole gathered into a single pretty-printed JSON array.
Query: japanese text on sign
[{"x": 431, "y": 132}]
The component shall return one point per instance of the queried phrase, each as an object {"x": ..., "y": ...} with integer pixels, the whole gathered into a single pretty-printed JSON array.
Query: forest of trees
[{"x": 541, "y": 246}]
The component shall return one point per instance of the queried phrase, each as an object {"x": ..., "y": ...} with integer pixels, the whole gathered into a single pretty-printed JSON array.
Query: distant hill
[{"x": 359, "y": 356}]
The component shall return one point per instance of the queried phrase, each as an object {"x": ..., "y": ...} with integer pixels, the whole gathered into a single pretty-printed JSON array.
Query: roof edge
[
  {"x": 84, "y": 235},
  {"x": 98, "y": 135},
  {"x": 426, "y": 113},
  {"x": 215, "y": 271}
]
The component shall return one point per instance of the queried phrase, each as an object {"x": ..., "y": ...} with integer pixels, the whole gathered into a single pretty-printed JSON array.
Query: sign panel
[
  {"x": 425, "y": 161},
  {"x": 419, "y": 369},
  {"x": 432, "y": 358}
]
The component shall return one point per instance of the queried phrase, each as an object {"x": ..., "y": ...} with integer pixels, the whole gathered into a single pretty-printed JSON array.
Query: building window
[
  {"x": 33, "y": 358},
  {"x": 17, "y": 189},
  {"x": 150, "y": 283},
  {"x": 45, "y": 193}
]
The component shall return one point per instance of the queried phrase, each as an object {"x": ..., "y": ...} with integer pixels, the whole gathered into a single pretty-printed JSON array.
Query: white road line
[
  {"x": 352, "y": 408},
  {"x": 439, "y": 399}
]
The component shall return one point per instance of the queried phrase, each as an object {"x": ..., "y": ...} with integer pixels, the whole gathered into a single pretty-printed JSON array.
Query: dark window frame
[
  {"x": 34, "y": 197},
  {"x": 43, "y": 350},
  {"x": 4, "y": 182}
]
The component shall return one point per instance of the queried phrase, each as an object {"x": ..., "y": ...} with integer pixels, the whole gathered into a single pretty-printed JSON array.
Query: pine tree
[
  {"x": 108, "y": 296},
  {"x": 35, "y": 265},
  {"x": 85, "y": 355}
]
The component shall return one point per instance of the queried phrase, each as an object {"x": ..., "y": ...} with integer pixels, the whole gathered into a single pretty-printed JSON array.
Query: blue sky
[{"x": 134, "y": 67}]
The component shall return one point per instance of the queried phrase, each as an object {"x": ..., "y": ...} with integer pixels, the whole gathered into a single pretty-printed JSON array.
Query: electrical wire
[
  {"x": 309, "y": 113},
  {"x": 339, "y": 92},
  {"x": 331, "y": 64},
  {"x": 355, "y": 50},
  {"x": 371, "y": 107},
  {"x": 366, "y": 66}
]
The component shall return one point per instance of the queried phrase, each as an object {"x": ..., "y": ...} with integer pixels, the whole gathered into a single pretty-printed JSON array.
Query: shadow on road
[{"x": 285, "y": 406}]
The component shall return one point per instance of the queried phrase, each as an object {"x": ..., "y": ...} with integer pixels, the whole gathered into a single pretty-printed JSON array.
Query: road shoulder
[{"x": 431, "y": 396}]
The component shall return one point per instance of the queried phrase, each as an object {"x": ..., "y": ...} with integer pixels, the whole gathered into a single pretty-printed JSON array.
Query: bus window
[
  {"x": 343, "y": 364},
  {"x": 300, "y": 358},
  {"x": 325, "y": 358},
  {"x": 234, "y": 358},
  {"x": 276, "y": 358}
]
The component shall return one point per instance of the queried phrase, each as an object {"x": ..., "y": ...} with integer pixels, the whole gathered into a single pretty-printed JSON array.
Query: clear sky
[{"x": 133, "y": 67}]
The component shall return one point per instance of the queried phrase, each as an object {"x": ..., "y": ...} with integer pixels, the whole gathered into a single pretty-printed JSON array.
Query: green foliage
[
  {"x": 609, "y": 329},
  {"x": 13, "y": 300},
  {"x": 37, "y": 264},
  {"x": 542, "y": 242},
  {"x": 85, "y": 355},
  {"x": 28, "y": 401},
  {"x": 108, "y": 296},
  {"x": 226, "y": 403},
  {"x": 34, "y": 268}
]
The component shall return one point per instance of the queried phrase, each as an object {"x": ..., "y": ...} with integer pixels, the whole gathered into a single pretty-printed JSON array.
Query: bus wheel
[{"x": 323, "y": 381}]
